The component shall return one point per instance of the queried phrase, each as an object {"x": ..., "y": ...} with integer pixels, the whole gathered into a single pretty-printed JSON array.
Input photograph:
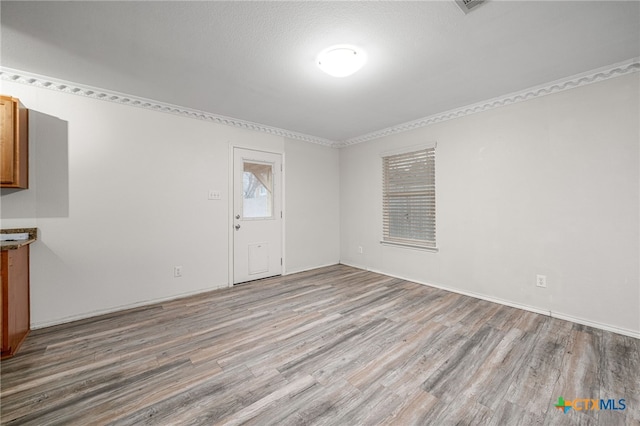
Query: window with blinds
[{"x": 409, "y": 198}]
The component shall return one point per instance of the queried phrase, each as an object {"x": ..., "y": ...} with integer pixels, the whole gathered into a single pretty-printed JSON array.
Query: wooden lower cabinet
[{"x": 14, "y": 299}]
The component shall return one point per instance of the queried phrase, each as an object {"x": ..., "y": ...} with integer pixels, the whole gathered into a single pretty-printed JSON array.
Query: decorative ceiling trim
[
  {"x": 593, "y": 76},
  {"x": 589, "y": 77},
  {"x": 23, "y": 77}
]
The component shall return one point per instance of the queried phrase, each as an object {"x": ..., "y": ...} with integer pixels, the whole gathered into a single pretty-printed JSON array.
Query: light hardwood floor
[{"x": 332, "y": 346}]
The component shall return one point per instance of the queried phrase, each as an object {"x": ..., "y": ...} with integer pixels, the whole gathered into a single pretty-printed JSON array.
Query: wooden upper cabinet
[{"x": 14, "y": 143}]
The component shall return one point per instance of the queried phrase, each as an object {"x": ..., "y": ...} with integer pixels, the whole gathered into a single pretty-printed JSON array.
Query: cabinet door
[
  {"x": 15, "y": 298},
  {"x": 14, "y": 134},
  {"x": 3, "y": 295},
  {"x": 7, "y": 135},
  {"x": 3, "y": 308},
  {"x": 18, "y": 296}
]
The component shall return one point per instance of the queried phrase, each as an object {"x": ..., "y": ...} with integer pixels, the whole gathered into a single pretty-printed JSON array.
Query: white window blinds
[{"x": 409, "y": 198}]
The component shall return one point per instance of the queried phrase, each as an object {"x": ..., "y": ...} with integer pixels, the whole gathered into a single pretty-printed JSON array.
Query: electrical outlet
[
  {"x": 360, "y": 249},
  {"x": 541, "y": 281},
  {"x": 177, "y": 271}
]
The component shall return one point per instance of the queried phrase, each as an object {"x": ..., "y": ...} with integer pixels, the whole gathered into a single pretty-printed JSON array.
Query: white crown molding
[
  {"x": 24, "y": 77},
  {"x": 583, "y": 79}
]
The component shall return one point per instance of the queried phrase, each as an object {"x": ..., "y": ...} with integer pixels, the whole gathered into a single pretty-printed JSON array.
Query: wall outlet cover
[{"x": 177, "y": 271}]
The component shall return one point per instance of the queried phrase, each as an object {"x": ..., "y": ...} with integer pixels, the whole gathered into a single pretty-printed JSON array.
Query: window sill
[{"x": 410, "y": 246}]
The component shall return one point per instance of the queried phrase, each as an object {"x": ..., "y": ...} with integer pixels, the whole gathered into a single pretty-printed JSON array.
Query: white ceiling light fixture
[{"x": 341, "y": 60}]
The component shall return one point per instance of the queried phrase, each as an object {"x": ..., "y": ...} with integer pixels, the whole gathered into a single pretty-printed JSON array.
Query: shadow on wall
[{"x": 48, "y": 193}]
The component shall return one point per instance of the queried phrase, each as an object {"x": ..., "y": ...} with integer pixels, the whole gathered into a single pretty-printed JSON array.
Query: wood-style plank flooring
[{"x": 332, "y": 346}]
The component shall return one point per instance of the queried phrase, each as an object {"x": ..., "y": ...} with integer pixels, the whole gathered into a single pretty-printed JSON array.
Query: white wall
[
  {"x": 548, "y": 186},
  {"x": 312, "y": 196},
  {"x": 119, "y": 195}
]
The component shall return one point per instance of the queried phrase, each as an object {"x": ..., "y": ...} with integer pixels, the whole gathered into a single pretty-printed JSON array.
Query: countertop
[{"x": 13, "y": 245}]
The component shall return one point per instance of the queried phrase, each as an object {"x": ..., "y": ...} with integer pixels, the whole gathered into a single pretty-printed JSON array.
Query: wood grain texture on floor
[{"x": 332, "y": 346}]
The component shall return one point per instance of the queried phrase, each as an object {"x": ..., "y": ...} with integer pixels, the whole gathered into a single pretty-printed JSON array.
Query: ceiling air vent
[{"x": 467, "y": 5}]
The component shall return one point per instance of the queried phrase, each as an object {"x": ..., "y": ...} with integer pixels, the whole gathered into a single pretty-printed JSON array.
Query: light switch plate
[{"x": 214, "y": 195}]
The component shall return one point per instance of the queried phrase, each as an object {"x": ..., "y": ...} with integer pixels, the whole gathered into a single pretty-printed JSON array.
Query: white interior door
[{"x": 257, "y": 215}]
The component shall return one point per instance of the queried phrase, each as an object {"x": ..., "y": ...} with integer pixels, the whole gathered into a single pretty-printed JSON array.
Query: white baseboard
[
  {"x": 310, "y": 268},
  {"x": 42, "y": 324},
  {"x": 558, "y": 315},
  {"x": 589, "y": 323},
  {"x": 618, "y": 330}
]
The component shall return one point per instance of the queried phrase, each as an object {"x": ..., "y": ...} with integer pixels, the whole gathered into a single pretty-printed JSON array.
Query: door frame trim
[{"x": 230, "y": 207}]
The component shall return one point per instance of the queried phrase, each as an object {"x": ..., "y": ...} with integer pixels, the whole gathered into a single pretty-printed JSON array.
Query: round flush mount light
[{"x": 341, "y": 60}]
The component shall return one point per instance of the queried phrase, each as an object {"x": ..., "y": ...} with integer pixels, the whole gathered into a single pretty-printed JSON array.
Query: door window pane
[{"x": 257, "y": 190}]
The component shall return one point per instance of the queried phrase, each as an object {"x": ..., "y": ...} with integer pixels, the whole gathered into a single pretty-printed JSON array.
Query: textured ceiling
[{"x": 255, "y": 60}]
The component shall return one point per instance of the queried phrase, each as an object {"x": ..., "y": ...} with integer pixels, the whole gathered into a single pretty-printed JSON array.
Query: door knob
[
  {"x": 237, "y": 227},
  {"x": 237, "y": 216}
]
